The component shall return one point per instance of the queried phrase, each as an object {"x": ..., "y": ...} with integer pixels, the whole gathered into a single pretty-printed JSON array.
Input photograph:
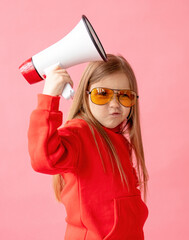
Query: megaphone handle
[{"x": 68, "y": 92}]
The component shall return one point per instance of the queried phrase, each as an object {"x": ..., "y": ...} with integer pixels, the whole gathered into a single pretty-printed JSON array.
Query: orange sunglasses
[{"x": 102, "y": 96}]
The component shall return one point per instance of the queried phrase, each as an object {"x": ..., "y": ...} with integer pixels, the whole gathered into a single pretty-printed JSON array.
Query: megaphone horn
[{"x": 80, "y": 45}]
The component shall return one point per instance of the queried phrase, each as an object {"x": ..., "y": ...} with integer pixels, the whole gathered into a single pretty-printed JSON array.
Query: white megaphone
[{"x": 80, "y": 45}]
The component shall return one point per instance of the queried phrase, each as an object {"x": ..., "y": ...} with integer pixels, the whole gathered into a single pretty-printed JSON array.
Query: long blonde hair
[{"x": 94, "y": 72}]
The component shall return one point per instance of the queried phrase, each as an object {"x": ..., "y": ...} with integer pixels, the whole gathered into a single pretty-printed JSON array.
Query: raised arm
[{"x": 50, "y": 151}]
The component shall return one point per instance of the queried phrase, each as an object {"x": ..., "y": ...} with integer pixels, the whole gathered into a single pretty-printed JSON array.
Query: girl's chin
[{"x": 113, "y": 125}]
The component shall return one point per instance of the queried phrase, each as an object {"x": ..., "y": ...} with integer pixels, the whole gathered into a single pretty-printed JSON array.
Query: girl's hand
[{"x": 56, "y": 81}]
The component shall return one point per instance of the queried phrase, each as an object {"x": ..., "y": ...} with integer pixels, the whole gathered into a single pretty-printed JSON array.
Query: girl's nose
[{"x": 114, "y": 101}]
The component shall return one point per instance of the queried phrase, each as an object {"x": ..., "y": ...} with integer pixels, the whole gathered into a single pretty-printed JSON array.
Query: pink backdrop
[{"x": 154, "y": 37}]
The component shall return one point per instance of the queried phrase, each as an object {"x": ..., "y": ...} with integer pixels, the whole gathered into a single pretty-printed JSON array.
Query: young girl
[{"x": 90, "y": 157}]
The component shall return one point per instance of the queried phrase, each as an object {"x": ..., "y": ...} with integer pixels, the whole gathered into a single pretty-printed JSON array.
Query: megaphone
[{"x": 80, "y": 45}]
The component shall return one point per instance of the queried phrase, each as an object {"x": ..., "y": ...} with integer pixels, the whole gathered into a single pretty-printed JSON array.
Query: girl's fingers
[
  {"x": 56, "y": 81},
  {"x": 67, "y": 79},
  {"x": 70, "y": 82}
]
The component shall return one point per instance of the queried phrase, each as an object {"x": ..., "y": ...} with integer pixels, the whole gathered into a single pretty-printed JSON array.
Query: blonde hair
[{"x": 94, "y": 72}]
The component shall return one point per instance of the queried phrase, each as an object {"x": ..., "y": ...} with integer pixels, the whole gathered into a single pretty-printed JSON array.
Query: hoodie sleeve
[{"x": 51, "y": 151}]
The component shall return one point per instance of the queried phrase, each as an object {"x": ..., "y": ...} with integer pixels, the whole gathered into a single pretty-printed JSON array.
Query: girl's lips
[{"x": 115, "y": 114}]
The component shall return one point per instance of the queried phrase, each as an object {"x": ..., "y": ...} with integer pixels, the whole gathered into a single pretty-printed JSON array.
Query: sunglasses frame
[{"x": 117, "y": 95}]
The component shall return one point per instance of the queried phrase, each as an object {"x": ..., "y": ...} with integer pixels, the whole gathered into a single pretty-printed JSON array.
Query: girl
[{"x": 90, "y": 157}]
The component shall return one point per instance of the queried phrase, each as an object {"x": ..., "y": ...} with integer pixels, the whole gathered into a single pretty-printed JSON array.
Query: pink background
[{"x": 154, "y": 37}]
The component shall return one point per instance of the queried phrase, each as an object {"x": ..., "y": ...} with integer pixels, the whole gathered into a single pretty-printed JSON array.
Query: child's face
[{"x": 113, "y": 113}]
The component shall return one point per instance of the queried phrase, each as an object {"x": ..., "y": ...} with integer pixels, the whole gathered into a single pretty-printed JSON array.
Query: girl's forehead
[{"x": 114, "y": 81}]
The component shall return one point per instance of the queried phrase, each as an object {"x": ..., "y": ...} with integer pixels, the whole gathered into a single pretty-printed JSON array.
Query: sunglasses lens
[
  {"x": 127, "y": 98},
  {"x": 101, "y": 96}
]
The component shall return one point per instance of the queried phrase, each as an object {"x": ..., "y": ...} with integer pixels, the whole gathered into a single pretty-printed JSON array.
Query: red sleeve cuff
[{"x": 47, "y": 102}]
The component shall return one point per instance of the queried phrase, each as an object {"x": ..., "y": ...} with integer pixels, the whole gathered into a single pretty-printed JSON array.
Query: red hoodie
[{"x": 98, "y": 205}]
